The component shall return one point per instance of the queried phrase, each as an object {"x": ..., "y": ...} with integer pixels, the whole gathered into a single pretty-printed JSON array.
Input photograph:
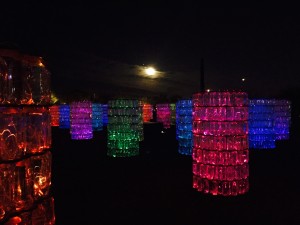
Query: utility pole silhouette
[{"x": 202, "y": 85}]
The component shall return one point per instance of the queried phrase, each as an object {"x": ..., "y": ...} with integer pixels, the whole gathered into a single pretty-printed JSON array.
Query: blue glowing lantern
[
  {"x": 104, "y": 115},
  {"x": 282, "y": 119},
  {"x": 261, "y": 124},
  {"x": 64, "y": 116},
  {"x": 97, "y": 120},
  {"x": 184, "y": 133}
]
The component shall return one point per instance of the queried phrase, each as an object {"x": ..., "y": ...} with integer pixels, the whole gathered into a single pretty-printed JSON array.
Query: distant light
[
  {"x": 150, "y": 71},
  {"x": 207, "y": 90},
  {"x": 243, "y": 79}
]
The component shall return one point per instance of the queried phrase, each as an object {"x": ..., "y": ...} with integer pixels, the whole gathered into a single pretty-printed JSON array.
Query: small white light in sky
[
  {"x": 150, "y": 71},
  {"x": 243, "y": 79},
  {"x": 208, "y": 90}
]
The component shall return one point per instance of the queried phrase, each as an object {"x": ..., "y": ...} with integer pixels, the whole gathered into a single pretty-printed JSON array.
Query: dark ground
[{"x": 156, "y": 186}]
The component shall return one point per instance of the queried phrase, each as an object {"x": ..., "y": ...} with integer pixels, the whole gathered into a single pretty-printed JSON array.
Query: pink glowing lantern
[
  {"x": 81, "y": 120},
  {"x": 163, "y": 112},
  {"x": 221, "y": 149}
]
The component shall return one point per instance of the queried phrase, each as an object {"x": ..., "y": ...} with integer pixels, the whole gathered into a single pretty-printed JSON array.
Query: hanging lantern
[
  {"x": 220, "y": 148},
  {"x": 184, "y": 133},
  {"x": 261, "y": 124},
  {"x": 163, "y": 112},
  {"x": 147, "y": 112},
  {"x": 282, "y": 121},
  {"x": 54, "y": 113},
  {"x": 64, "y": 116},
  {"x": 124, "y": 117},
  {"x": 104, "y": 114},
  {"x": 81, "y": 120},
  {"x": 97, "y": 120}
]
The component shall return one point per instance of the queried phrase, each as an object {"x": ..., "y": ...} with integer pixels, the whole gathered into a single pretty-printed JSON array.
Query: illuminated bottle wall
[
  {"x": 220, "y": 149},
  {"x": 282, "y": 121},
  {"x": 261, "y": 124},
  {"x": 81, "y": 120},
  {"x": 64, "y": 116},
  {"x": 25, "y": 140},
  {"x": 163, "y": 112},
  {"x": 97, "y": 114},
  {"x": 124, "y": 118},
  {"x": 184, "y": 133}
]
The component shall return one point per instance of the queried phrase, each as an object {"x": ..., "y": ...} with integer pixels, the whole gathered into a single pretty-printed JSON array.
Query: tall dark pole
[{"x": 202, "y": 86}]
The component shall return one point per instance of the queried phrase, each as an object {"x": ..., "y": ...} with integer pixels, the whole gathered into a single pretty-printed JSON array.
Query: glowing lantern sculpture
[
  {"x": 25, "y": 139},
  {"x": 220, "y": 148},
  {"x": 147, "y": 112},
  {"x": 173, "y": 113},
  {"x": 163, "y": 112},
  {"x": 54, "y": 113},
  {"x": 81, "y": 120},
  {"x": 64, "y": 116},
  {"x": 123, "y": 128},
  {"x": 97, "y": 120},
  {"x": 261, "y": 124},
  {"x": 282, "y": 113},
  {"x": 104, "y": 115},
  {"x": 184, "y": 133}
]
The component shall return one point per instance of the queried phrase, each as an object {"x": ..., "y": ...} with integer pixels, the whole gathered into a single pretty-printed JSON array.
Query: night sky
[{"x": 103, "y": 48}]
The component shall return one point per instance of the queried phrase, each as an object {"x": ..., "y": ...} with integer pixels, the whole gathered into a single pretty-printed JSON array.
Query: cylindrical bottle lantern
[
  {"x": 147, "y": 112},
  {"x": 163, "y": 112},
  {"x": 12, "y": 133},
  {"x": 97, "y": 114},
  {"x": 173, "y": 113},
  {"x": 54, "y": 113},
  {"x": 282, "y": 121},
  {"x": 81, "y": 120},
  {"x": 184, "y": 134},
  {"x": 124, "y": 117},
  {"x": 64, "y": 116},
  {"x": 220, "y": 149},
  {"x": 261, "y": 124},
  {"x": 11, "y": 80},
  {"x": 40, "y": 166},
  {"x": 36, "y": 81},
  {"x": 104, "y": 115},
  {"x": 38, "y": 129}
]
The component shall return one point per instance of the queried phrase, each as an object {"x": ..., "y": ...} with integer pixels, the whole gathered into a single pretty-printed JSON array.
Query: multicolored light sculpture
[
  {"x": 220, "y": 148},
  {"x": 81, "y": 120},
  {"x": 147, "y": 112},
  {"x": 124, "y": 118},
  {"x": 184, "y": 134},
  {"x": 282, "y": 121},
  {"x": 163, "y": 112},
  {"x": 97, "y": 120},
  {"x": 261, "y": 124},
  {"x": 64, "y": 116}
]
